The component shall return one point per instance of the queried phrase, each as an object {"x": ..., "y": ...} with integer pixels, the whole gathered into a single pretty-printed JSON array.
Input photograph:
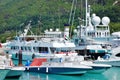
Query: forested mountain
[{"x": 15, "y": 14}]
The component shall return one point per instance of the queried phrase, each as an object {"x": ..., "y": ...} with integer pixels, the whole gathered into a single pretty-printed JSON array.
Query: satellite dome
[
  {"x": 75, "y": 30},
  {"x": 105, "y": 20},
  {"x": 96, "y": 20}
]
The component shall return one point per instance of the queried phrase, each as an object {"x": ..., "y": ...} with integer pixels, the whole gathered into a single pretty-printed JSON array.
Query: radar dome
[
  {"x": 96, "y": 20},
  {"x": 93, "y": 15},
  {"x": 105, "y": 20},
  {"x": 75, "y": 30}
]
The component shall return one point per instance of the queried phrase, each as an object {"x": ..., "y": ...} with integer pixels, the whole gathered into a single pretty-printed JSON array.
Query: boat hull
[
  {"x": 109, "y": 62},
  {"x": 15, "y": 72},
  {"x": 97, "y": 69},
  {"x": 3, "y": 72},
  {"x": 58, "y": 70}
]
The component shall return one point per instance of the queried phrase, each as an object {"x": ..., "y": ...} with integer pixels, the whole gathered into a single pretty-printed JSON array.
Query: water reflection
[
  {"x": 111, "y": 74},
  {"x": 36, "y": 76}
]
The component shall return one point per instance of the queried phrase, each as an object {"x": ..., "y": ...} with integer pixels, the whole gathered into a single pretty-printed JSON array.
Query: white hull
[
  {"x": 113, "y": 62},
  {"x": 97, "y": 68},
  {"x": 15, "y": 72}
]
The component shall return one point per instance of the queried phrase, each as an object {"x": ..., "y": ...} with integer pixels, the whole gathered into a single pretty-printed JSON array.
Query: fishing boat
[
  {"x": 57, "y": 67},
  {"x": 51, "y": 43}
]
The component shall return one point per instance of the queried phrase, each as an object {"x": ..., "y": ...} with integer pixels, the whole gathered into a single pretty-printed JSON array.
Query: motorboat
[
  {"x": 96, "y": 68},
  {"x": 111, "y": 60},
  {"x": 57, "y": 67}
]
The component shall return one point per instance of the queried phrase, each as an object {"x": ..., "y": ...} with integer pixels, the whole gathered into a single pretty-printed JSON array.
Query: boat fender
[{"x": 38, "y": 69}]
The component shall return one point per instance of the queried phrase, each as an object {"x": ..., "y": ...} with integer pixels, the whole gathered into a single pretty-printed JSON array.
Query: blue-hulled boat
[{"x": 61, "y": 67}]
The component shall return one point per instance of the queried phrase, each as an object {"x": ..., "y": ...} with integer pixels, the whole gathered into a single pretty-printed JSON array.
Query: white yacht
[
  {"x": 92, "y": 39},
  {"x": 52, "y": 43}
]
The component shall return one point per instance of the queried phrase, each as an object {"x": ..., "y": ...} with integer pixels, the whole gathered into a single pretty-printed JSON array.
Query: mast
[{"x": 86, "y": 14}]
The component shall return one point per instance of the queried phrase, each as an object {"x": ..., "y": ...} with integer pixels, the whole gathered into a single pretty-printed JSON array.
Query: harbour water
[{"x": 111, "y": 74}]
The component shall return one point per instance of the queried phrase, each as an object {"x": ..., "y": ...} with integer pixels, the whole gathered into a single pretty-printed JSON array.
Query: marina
[{"x": 88, "y": 52}]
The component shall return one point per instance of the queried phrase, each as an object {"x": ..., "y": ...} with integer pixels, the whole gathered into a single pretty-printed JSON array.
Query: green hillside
[{"x": 15, "y": 14}]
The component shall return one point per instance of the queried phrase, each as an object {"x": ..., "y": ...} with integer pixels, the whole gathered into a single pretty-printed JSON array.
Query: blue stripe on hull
[{"x": 58, "y": 70}]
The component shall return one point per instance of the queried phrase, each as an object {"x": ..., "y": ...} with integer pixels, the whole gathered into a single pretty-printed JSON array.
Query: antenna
[{"x": 86, "y": 13}]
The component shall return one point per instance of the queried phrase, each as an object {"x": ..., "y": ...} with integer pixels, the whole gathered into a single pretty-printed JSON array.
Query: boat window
[
  {"x": 22, "y": 48},
  {"x": 12, "y": 47},
  {"x": 52, "y": 50},
  {"x": 43, "y": 49},
  {"x": 29, "y": 48},
  {"x": 17, "y": 47},
  {"x": 35, "y": 49},
  {"x": 25, "y": 48}
]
